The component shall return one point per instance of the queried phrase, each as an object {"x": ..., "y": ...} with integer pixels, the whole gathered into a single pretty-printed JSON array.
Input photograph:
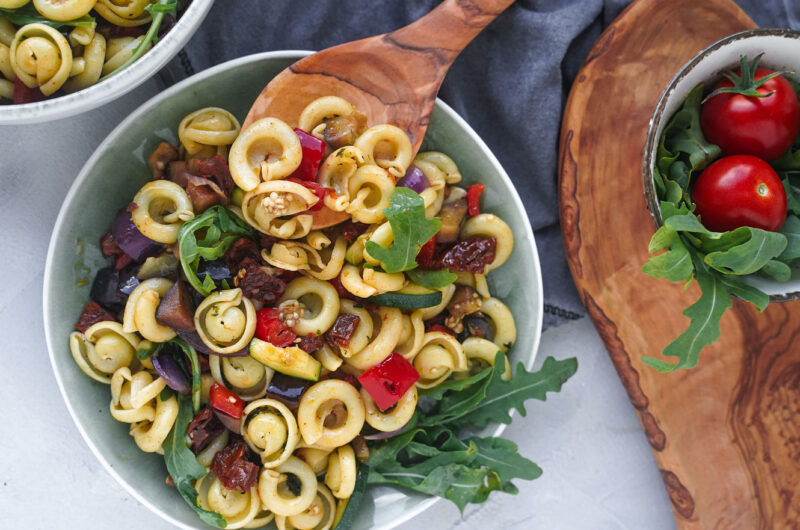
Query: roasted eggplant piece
[{"x": 452, "y": 215}]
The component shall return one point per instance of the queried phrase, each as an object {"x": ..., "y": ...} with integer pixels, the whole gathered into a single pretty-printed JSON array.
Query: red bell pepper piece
[
  {"x": 313, "y": 151},
  {"x": 23, "y": 94},
  {"x": 318, "y": 190},
  {"x": 474, "y": 199},
  {"x": 387, "y": 381},
  {"x": 225, "y": 401},
  {"x": 425, "y": 254},
  {"x": 442, "y": 328},
  {"x": 270, "y": 328}
]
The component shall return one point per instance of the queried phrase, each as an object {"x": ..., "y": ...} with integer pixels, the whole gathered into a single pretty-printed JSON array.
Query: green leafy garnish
[
  {"x": 197, "y": 375},
  {"x": 432, "y": 279},
  {"x": 222, "y": 228},
  {"x": 157, "y": 10},
  {"x": 28, "y": 14},
  {"x": 429, "y": 457},
  {"x": 683, "y": 248},
  {"x": 182, "y": 465},
  {"x": 146, "y": 349},
  {"x": 410, "y": 229}
]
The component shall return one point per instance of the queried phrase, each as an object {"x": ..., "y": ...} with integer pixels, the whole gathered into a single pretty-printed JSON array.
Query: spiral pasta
[
  {"x": 5, "y": 63},
  {"x": 389, "y": 325},
  {"x": 267, "y": 150},
  {"x": 41, "y": 57},
  {"x": 387, "y": 146},
  {"x": 412, "y": 335},
  {"x": 270, "y": 429},
  {"x": 149, "y": 435},
  {"x": 318, "y": 516},
  {"x": 226, "y": 321},
  {"x": 335, "y": 173},
  {"x": 368, "y": 192},
  {"x": 316, "y": 112},
  {"x": 161, "y": 209},
  {"x": 247, "y": 377},
  {"x": 334, "y": 398},
  {"x": 236, "y": 507},
  {"x": 505, "y": 330},
  {"x": 441, "y": 355},
  {"x": 141, "y": 307},
  {"x": 273, "y": 207},
  {"x": 210, "y": 126},
  {"x": 124, "y": 12},
  {"x": 394, "y": 418},
  {"x": 93, "y": 55},
  {"x": 132, "y": 395},
  {"x": 64, "y": 10},
  {"x": 278, "y": 498},
  {"x": 103, "y": 349},
  {"x": 340, "y": 476},
  {"x": 322, "y": 261},
  {"x": 318, "y": 304},
  {"x": 444, "y": 163},
  {"x": 119, "y": 50},
  {"x": 480, "y": 349}
]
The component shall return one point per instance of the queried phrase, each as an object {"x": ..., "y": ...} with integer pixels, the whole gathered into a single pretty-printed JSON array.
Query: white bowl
[
  {"x": 781, "y": 49},
  {"x": 118, "y": 169},
  {"x": 116, "y": 85}
]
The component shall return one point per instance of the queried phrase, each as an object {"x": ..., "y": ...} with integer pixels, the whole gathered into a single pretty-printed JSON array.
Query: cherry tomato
[
  {"x": 764, "y": 127},
  {"x": 739, "y": 190},
  {"x": 270, "y": 328}
]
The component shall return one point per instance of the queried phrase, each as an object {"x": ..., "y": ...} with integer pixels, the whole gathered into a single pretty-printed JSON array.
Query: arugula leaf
[
  {"x": 705, "y": 315},
  {"x": 197, "y": 376},
  {"x": 758, "y": 247},
  {"x": 737, "y": 287},
  {"x": 146, "y": 349},
  {"x": 792, "y": 199},
  {"x": 492, "y": 398},
  {"x": 675, "y": 264},
  {"x": 684, "y": 134},
  {"x": 432, "y": 279},
  {"x": 222, "y": 229},
  {"x": 28, "y": 14},
  {"x": 182, "y": 465},
  {"x": 791, "y": 230},
  {"x": 410, "y": 229},
  {"x": 502, "y": 457},
  {"x": 777, "y": 270},
  {"x": 455, "y": 384}
]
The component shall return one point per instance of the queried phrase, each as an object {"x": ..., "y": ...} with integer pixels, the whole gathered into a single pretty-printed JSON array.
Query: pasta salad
[{"x": 294, "y": 314}]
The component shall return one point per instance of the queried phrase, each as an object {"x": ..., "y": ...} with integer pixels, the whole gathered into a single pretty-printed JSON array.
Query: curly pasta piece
[
  {"x": 389, "y": 323},
  {"x": 125, "y": 13},
  {"x": 262, "y": 518},
  {"x": 327, "y": 358},
  {"x": 444, "y": 163},
  {"x": 488, "y": 225},
  {"x": 161, "y": 209},
  {"x": 319, "y": 405},
  {"x": 102, "y": 350},
  {"x": 210, "y": 126},
  {"x": 367, "y": 282},
  {"x": 505, "y": 330},
  {"x": 368, "y": 193},
  {"x": 41, "y": 57},
  {"x": 266, "y": 150},
  {"x": 336, "y": 171},
  {"x": 326, "y": 107},
  {"x": 140, "y": 310},
  {"x": 237, "y": 508},
  {"x": 277, "y": 497},
  {"x": 323, "y": 263},
  {"x": 247, "y": 377},
  {"x": 394, "y": 418},
  {"x": 319, "y": 302},
  {"x": 93, "y": 55},
  {"x": 411, "y": 337},
  {"x": 226, "y": 321},
  {"x": 206, "y": 456},
  {"x": 64, "y": 10},
  {"x": 119, "y": 50},
  {"x": 5, "y": 63},
  {"x": 483, "y": 350},
  {"x": 6, "y": 89},
  {"x": 433, "y": 195},
  {"x": 319, "y": 516},
  {"x": 441, "y": 355},
  {"x": 274, "y": 208},
  {"x": 132, "y": 395},
  {"x": 387, "y": 146},
  {"x": 363, "y": 332},
  {"x": 270, "y": 429},
  {"x": 341, "y": 474},
  {"x": 12, "y": 4},
  {"x": 314, "y": 457},
  {"x": 150, "y": 435},
  {"x": 82, "y": 35},
  {"x": 447, "y": 295}
]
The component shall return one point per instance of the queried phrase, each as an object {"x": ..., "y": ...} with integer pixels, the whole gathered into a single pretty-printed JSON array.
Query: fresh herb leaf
[
  {"x": 410, "y": 230},
  {"x": 738, "y": 288},
  {"x": 675, "y": 264},
  {"x": 222, "y": 229},
  {"x": 777, "y": 270},
  {"x": 791, "y": 230},
  {"x": 502, "y": 457},
  {"x": 756, "y": 249},
  {"x": 684, "y": 134},
  {"x": 166, "y": 393},
  {"x": 792, "y": 198},
  {"x": 146, "y": 349},
  {"x": 197, "y": 376},
  {"x": 28, "y": 14},
  {"x": 455, "y": 384},
  {"x": 182, "y": 465},
  {"x": 432, "y": 279}
]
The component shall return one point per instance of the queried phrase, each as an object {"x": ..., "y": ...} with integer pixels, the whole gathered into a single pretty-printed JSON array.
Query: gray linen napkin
[{"x": 510, "y": 83}]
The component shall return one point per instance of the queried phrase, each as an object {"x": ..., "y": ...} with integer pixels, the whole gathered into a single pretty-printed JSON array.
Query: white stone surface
[{"x": 599, "y": 472}]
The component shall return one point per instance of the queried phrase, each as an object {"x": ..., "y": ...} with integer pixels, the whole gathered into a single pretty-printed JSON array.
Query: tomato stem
[{"x": 746, "y": 84}]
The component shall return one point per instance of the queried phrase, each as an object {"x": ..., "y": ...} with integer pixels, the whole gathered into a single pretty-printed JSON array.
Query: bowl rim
[
  {"x": 651, "y": 141},
  {"x": 74, "y": 189},
  {"x": 119, "y": 84}
]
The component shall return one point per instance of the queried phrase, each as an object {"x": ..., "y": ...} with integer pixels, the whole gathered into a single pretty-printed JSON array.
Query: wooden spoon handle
[{"x": 449, "y": 27}]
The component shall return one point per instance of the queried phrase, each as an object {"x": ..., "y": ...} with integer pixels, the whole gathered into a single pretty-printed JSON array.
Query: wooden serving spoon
[{"x": 392, "y": 78}]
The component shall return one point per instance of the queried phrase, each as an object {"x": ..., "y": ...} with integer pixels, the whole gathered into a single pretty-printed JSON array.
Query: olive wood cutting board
[{"x": 726, "y": 435}]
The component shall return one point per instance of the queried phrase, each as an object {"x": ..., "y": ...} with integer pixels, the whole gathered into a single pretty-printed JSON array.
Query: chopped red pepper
[
  {"x": 389, "y": 380},
  {"x": 270, "y": 328},
  {"x": 225, "y": 401},
  {"x": 23, "y": 94},
  {"x": 474, "y": 199},
  {"x": 318, "y": 190},
  {"x": 425, "y": 254},
  {"x": 313, "y": 150}
]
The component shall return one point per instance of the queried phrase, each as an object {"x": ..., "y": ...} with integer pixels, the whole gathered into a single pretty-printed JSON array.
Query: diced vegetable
[
  {"x": 290, "y": 361},
  {"x": 407, "y": 301},
  {"x": 223, "y": 400},
  {"x": 131, "y": 240},
  {"x": 414, "y": 179},
  {"x": 105, "y": 288},
  {"x": 318, "y": 190},
  {"x": 425, "y": 254},
  {"x": 170, "y": 371},
  {"x": 287, "y": 389},
  {"x": 474, "y": 198},
  {"x": 452, "y": 215},
  {"x": 388, "y": 380},
  {"x": 313, "y": 150},
  {"x": 270, "y": 328},
  {"x": 176, "y": 309}
]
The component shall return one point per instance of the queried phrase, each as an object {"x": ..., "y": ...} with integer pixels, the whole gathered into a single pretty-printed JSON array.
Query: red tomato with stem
[
  {"x": 739, "y": 190},
  {"x": 751, "y": 113}
]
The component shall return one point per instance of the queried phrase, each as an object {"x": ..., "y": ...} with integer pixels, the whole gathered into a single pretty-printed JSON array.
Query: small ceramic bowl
[
  {"x": 781, "y": 49},
  {"x": 118, "y": 169},
  {"x": 116, "y": 85}
]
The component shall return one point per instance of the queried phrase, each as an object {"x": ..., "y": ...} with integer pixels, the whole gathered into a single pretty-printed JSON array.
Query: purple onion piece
[
  {"x": 230, "y": 423},
  {"x": 414, "y": 179},
  {"x": 384, "y": 435},
  {"x": 130, "y": 240},
  {"x": 172, "y": 374},
  {"x": 194, "y": 340}
]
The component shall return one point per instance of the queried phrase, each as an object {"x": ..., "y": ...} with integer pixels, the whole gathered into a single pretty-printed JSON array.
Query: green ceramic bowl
[{"x": 118, "y": 169}]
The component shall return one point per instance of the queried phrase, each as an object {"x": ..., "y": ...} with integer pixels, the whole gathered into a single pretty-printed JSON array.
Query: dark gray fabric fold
[{"x": 510, "y": 83}]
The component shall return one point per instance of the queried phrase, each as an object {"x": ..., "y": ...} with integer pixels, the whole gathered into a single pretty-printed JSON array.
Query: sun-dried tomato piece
[
  {"x": 233, "y": 467},
  {"x": 257, "y": 284},
  {"x": 203, "y": 429},
  {"x": 92, "y": 314},
  {"x": 310, "y": 344},
  {"x": 240, "y": 249},
  {"x": 109, "y": 247},
  {"x": 342, "y": 330},
  {"x": 469, "y": 255},
  {"x": 213, "y": 168},
  {"x": 352, "y": 229}
]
